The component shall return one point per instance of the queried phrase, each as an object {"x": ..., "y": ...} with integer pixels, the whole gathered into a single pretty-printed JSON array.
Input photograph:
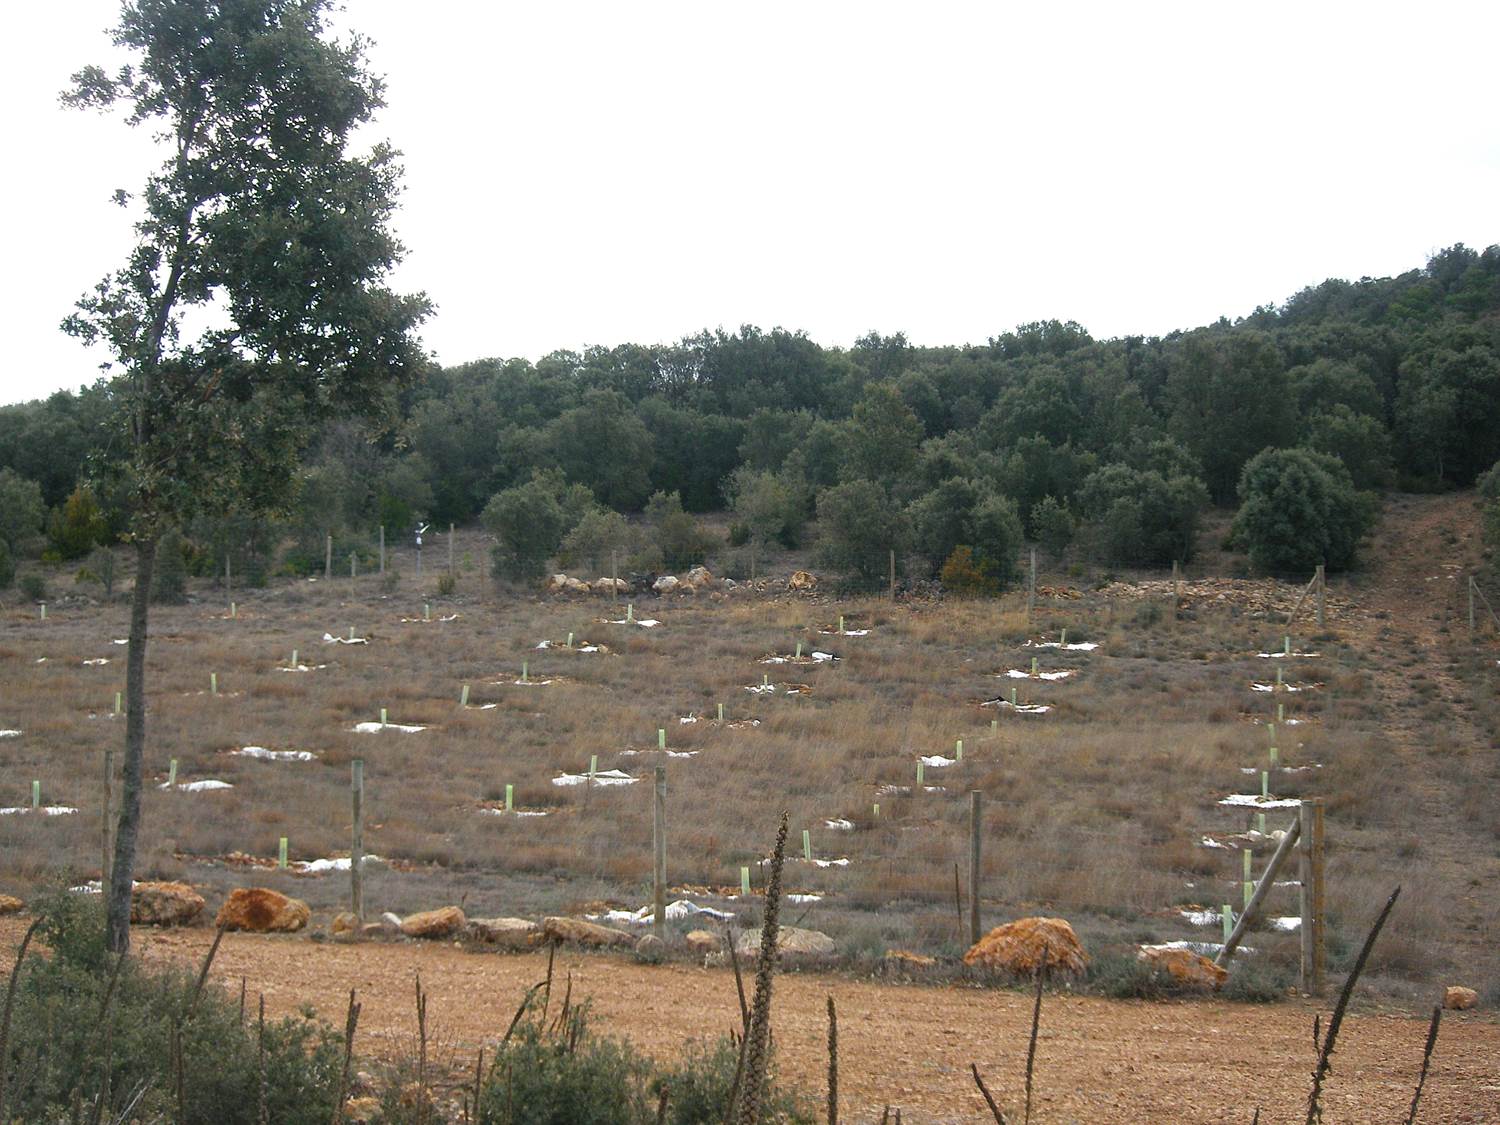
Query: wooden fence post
[
  {"x": 106, "y": 836},
  {"x": 1471, "y": 607},
  {"x": 228, "y": 584},
  {"x": 1311, "y": 896},
  {"x": 893, "y": 574},
  {"x": 1031, "y": 589},
  {"x": 976, "y": 822},
  {"x": 1176, "y": 588},
  {"x": 450, "y": 549},
  {"x": 382, "y": 550},
  {"x": 659, "y": 866},
  {"x": 357, "y": 844},
  {"x": 1322, "y": 595},
  {"x": 328, "y": 557},
  {"x": 1267, "y": 881}
]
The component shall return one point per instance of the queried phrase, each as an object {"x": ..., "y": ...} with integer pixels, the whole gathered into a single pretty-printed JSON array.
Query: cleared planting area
[{"x": 1097, "y": 809}]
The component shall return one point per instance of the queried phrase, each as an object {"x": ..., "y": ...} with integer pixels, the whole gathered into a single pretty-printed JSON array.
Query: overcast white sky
[{"x": 599, "y": 173}]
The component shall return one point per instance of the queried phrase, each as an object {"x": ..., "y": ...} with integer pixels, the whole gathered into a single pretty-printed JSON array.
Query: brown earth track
[{"x": 903, "y": 1045}]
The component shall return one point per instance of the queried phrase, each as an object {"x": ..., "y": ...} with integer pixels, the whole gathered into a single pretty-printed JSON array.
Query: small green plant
[
  {"x": 964, "y": 575},
  {"x": 7, "y": 566},
  {"x": 33, "y": 587},
  {"x": 447, "y": 583},
  {"x": 169, "y": 579}
]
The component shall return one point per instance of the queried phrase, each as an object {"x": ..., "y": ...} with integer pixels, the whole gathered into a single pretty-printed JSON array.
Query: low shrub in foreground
[{"x": 70, "y": 1037}]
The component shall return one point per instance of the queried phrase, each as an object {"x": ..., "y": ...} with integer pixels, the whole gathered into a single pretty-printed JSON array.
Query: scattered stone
[
  {"x": 507, "y": 933},
  {"x": 577, "y": 586},
  {"x": 344, "y": 922},
  {"x": 1459, "y": 999},
  {"x": 702, "y": 941},
  {"x": 391, "y": 922},
  {"x": 376, "y": 930},
  {"x": 1019, "y": 947},
  {"x": 665, "y": 584},
  {"x": 790, "y": 941},
  {"x": 802, "y": 582},
  {"x": 700, "y": 578},
  {"x": 650, "y": 946},
  {"x": 557, "y": 583},
  {"x": 579, "y": 932},
  {"x": 904, "y": 959},
  {"x": 164, "y": 904},
  {"x": 605, "y": 585},
  {"x": 9, "y": 904},
  {"x": 261, "y": 910},
  {"x": 1185, "y": 967},
  {"x": 441, "y": 923}
]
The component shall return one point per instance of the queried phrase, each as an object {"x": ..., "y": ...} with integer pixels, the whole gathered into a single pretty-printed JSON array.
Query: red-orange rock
[
  {"x": 261, "y": 910},
  {"x": 1025, "y": 945},
  {"x": 1185, "y": 967},
  {"x": 1459, "y": 999},
  {"x": 445, "y": 922},
  {"x": 164, "y": 904}
]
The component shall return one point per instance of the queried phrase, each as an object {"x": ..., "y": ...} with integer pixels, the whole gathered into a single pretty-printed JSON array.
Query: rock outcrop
[
  {"x": 790, "y": 942},
  {"x": 802, "y": 582},
  {"x": 164, "y": 904},
  {"x": 1185, "y": 967},
  {"x": 442, "y": 923},
  {"x": 1459, "y": 999},
  {"x": 1025, "y": 945},
  {"x": 579, "y": 932},
  {"x": 505, "y": 933}
]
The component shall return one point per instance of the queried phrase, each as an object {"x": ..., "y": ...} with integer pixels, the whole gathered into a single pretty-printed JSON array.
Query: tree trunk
[{"x": 117, "y": 921}]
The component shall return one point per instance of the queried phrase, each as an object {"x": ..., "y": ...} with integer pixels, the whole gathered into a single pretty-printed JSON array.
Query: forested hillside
[{"x": 950, "y": 454}]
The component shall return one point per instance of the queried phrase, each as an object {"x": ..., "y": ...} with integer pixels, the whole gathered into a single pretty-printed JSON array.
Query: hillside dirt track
[{"x": 902, "y": 1045}]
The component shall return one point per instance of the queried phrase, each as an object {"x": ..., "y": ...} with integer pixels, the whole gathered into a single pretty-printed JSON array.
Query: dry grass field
[{"x": 1095, "y": 811}]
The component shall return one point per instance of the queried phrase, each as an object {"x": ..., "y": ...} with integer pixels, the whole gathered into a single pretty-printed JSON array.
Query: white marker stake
[
  {"x": 172, "y": 774},
  {"x": 36, "y": 794},
  {"x": 721, "y": 712},
  {"x": 661, "y": 739},
  {"x": 994, "y": 725},
  {"x": 1260, "y": 823},
  {"x": 1286, "y": 645},
  {"x": 233, "y": 610},
  {"x": 1228, "y": 918},
  {"x": 1281, "y": 712},
  {"x": 1275, "y": 758},
  {"x": 523, "y": 671},
  {"x": 281, "y": 853},
  {"x": 1278, "y": 679},
  {"x": 920, "y": 773},
  {"x": 1014, "y": 694},
  {"x": 510, "y": 794},
  {"x": 744, "y": 881},
  {"x": 799, "y": 651},
  {"x": 117, "y": 703},
  {"x": 351, "y": 633},
  {"x": 213, "y": 683},
  {"x": 593, "y": 764},
  {"x": 958, "y": 750},
  {"x": 806, "y": 845},
  {"x": 630, "y": 612},
  {"x": 765, "y": 680},
  {"x": 1064, "y": 642},
  {"x": 426, "y": 611},
  {"x": 463, "y": 696},
  {"x": 382, "y": 716}
]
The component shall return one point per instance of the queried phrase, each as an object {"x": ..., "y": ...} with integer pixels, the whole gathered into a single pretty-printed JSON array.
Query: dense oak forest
[{"x": 1295, "y": 415}]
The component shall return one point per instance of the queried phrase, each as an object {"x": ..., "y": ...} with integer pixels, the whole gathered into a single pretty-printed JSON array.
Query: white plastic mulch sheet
[
  {"x": 324, "y": 866},
  {"x": 429, "y": 620},
  {"x": 1284, "y": 769},
  {"x": 275, "y": 755},
  {"x": 10, "y": 734},
  {"x": 899, "y": 790},
  {"x": 1283, "y": 687},
  {"x": 601, "y": 777},
  {"x": 1202, "y": 948},
  {"x": 45, "y": 810},
  {"x": 937, "y": 761},
  {"x": 1214, "y": 918},
  {"x": 772, "y": 689},
  {"x": 1019, "y": 674},
  {"x": 96, "y": 661},
  {"x": 643, "y": 622},
  {"x": 844, "y": 862},
  {"x": 814, "y": 657},
  {"x": 585, "y": 647},
  {"x": 844, "y": 633},
  {"x": 330, "y": 639},
  {"x": 1285, "y": 655},
  {"x": 631, "y": 753},
  {"x": 800, "y": 900},
  {"x": 1018, "y": 708},
  {"x": 839, "y": 824},
  {"x": 486, "y": 810},
  {"x": 376, "y": 728},
  {"x": 682, "y": 908},
  {"x": 1256, "y": 801},
  {"x": 1080, "y": 646},
  {"x": 206, "y": 786},
  {"x": 299, "y": 667}
]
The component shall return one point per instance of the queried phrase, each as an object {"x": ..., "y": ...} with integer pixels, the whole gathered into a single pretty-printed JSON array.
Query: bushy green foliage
[
  {"x": 78, "y": 526},
  {"x": 681, "y": 539},
  {"x": 971, "y": 514},
  {"x": 967, "y": 576},
  {"x": 860, "y": 526},
  {"x": 7, "y": 566},
  {"x": 1359, "y": 441},
  {"x": 1052, "y": 526},
  {"x": 63, "y": 1039},
  {"x": 770, "y": 507},
  {"x": 1298, "y": 509},
  {"x": 530, "y": 520},
  {"x": 169, "y": 577},
  {"x": 699, "y": 1083},
  {"x": 1141, "y": 518},
  {"x": 600, "y": 536},
  {"x": 1489, "y": 513},
  {"x": 21, "y": 510},
  {"x": 34, "y": 587}
]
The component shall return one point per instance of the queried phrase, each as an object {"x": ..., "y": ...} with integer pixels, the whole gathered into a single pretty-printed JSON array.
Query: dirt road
[{"x": 903, "y": 1045}]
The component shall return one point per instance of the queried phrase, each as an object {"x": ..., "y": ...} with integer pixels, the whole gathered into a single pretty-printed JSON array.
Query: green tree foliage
[
  {"x": 603, "y": 445},
  {"x": 1298, "y": 509},
  {"x": 1448, "y": 407},
  {"x": 257, "y": 211},
  {"x": 860, "y": 525},
  {"x": 603, "y": 537},
  {"x": 680, "y": 538},
  {"x": 1039, "y": 406},
  {"x": 1142, "y": 518},
  {"x": 7, "y": 566},
  {"x": 21, "y": 510},
  {"x": 1357, "y": 440},
  {"x": 771, "y": 508},
  {"x": 881, "y": 439},
  {"x": 529, "y": 522},
  {"x": 1228, "y": 398},
  {"x": 170, "y": 572},
  {"x": 78, "y": 526},
  {"x": 1052, "y": 526},
  {"x": 694, "y": 452}
]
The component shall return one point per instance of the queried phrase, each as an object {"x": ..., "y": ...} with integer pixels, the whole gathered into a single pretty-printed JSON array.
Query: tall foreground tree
[{"x": 259, "y": 224}]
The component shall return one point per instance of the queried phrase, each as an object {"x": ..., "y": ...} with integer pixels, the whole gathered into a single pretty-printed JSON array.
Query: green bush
[
  {"x": 60, "y": 1043},
  {"x": 1298, "y": 509},
  {"x": 1140, "y": 517},
  {"x": 682, "y": 540},
  {"x": 78, "y": 526},
  {"x": 1052, "y": 526},
  {"x": 7, "y": 566},
  {"x": 34, "y": 587},
  {"x": 529, "y": 522},
  {"x": 860, "y": 526},
  {"x": 1489, "y": 514},
  {"x": 21, "y": 510},
  {"x": 699, "y": 1084}
]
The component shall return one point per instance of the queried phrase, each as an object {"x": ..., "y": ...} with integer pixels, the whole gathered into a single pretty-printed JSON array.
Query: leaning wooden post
[
  {"x": 353, "y": 566},
  {"x": 105, "y": 842},
  {"x": 1031, "y": 588},
  {"x": 1267, "y": 881},
  {"x": 382, "y": 550},
  {"x": 357, "y": 844},
  {"x": 659, "y": 867},
  {"x": 1310, "y": 896},
  {"x": 228, "y": 587},
  {"x": 328, "y": 557},
  {"x": 1322, "y": 595},
  {"x": 976, "y": 820}
]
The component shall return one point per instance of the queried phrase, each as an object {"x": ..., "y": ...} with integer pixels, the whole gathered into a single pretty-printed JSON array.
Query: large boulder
[
  {"x": 790, "y": 941},
  {"x": 700, "y": 578},
  {"x": 579, "y": 932},
  {"x": 577, "y": 586},
  {"x": 703, "y": 941},
  {"x": 262, "y": 911},
  {"x": 1185, "y": 967},
  {"x": 507, "y": 933},
  {"x": 557, "y": 583},
  {"x": 11, "y": 905},
  {"x": 802, "y": 582},
  {"x": 1025, "y": 945},
  {"x": 345, "y": 924},
  {"x": 442, "y": 923},
  {"x": 164, "y": 904},
  {"x": 665, "y": 584},
  {"x": 611, "y": 585},
  {"x": 1460, "y": 999}
]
